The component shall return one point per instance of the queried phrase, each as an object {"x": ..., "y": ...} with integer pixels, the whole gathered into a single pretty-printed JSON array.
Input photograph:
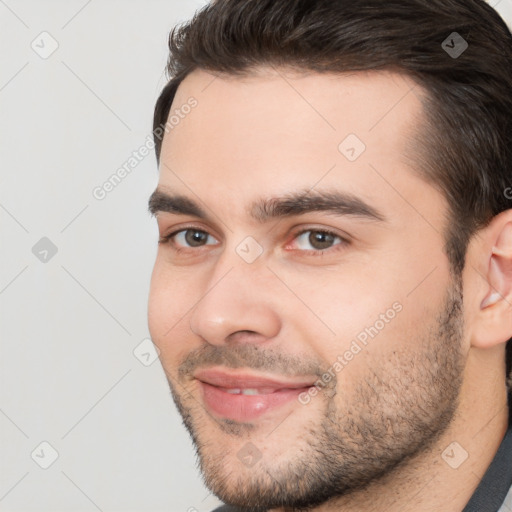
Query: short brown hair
[{"x": 465, "y": 145}]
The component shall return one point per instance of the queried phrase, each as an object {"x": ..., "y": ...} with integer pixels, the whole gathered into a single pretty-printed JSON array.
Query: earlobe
[
  {"x": 490, "y": 300},
  {"x": 494, "y": 323},
  {"x": 499, "y": 267}
]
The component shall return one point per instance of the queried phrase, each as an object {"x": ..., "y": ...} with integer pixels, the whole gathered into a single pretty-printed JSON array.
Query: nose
[{"x": 238, "y": 306}]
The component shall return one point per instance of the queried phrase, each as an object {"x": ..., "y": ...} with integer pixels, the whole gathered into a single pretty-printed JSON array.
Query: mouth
[{"x": 245, "y": 397}]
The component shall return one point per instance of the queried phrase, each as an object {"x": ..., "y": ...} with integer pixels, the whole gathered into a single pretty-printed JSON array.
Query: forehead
[
  {"x": 323, "y": 103},
  {"x": 277, "y": 129}
]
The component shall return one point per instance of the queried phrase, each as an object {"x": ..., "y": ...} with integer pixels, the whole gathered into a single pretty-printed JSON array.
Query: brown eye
[
  {"x": 321, "y": 240},
  {"x": 191, "y": 237},
  {"x": 317, "y": 240},
  {"x": 195, "y": 238}
]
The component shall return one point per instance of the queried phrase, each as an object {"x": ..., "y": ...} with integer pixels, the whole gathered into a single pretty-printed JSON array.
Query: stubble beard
[{"x": 399, "y": 410}]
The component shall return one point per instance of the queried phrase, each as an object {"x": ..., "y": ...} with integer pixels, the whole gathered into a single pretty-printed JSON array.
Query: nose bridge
[{"x": 237, "y": 298}]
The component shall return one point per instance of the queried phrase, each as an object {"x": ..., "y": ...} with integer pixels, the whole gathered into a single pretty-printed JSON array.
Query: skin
[{"x": 373, "y": 438}]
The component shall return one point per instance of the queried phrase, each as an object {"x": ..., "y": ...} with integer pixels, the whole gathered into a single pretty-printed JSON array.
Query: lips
[
  {"x": 225, "y": 380},
  {"x": 245, "y": 397}
]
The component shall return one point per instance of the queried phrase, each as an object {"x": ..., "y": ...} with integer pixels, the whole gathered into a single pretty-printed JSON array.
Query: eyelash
[{"x": 343, "y": 242}]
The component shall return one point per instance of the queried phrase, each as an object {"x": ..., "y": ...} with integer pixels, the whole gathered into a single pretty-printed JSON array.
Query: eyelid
[
  {"x": 167, "y": 238},
  {"x": 344, "y": 238}
]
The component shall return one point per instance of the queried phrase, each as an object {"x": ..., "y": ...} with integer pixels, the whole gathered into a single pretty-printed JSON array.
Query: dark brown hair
[{"x": 464, "y": 148}]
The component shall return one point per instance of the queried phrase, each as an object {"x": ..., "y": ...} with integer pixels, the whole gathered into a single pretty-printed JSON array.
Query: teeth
[{"x": 249, "y": 391}]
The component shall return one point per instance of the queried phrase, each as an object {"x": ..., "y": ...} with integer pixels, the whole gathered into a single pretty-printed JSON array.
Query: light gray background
[{"x": 70, "y": 325}]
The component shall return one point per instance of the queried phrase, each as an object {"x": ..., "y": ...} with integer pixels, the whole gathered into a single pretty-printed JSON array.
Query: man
[{"x": 332, "y": 294}]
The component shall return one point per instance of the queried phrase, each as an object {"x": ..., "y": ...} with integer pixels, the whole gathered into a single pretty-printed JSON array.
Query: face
[{"x": 301, "y": 299}]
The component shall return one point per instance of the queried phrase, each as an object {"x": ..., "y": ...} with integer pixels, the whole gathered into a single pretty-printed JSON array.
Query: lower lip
[{"x": 245, "y": 407}]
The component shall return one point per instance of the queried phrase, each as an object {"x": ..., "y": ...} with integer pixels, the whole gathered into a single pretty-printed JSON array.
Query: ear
[{"x": 492, "y": 323}]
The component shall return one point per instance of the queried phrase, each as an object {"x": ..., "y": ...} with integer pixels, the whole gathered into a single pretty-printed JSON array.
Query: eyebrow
[
  {"x": 160, "y": 201},
  {"x": 264, "y": 210}
]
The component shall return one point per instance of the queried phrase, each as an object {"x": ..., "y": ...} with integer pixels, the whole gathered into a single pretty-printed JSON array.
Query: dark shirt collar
[{"x": 497, "y": 480}]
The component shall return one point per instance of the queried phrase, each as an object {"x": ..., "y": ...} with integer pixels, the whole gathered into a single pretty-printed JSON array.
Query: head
[{"x": 394, "y": 157}]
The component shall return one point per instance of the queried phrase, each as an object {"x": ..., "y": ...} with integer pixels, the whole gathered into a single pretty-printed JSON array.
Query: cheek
[
  {"x": 170, "y": 298},
  {"x": 156, "y": 303},
  {"x": 343, "y": 300},
  {"x": 377, "y": 308}
]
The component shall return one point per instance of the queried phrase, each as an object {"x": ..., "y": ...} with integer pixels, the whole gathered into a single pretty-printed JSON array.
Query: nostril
[{"x": 244, "y": 337}]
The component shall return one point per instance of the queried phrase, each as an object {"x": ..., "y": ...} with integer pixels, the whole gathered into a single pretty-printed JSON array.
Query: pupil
[
  {"x": 320, "y": 240},
  {"x": 195, "y": 238}
]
